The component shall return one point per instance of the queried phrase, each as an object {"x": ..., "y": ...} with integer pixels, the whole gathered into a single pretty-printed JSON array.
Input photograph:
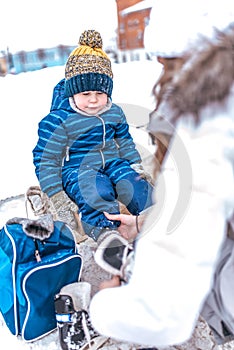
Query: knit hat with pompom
[{"x": 88, "y": 67}]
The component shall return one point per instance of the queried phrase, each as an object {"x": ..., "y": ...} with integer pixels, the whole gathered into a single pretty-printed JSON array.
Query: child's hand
[{"x": 142, "y": 172}]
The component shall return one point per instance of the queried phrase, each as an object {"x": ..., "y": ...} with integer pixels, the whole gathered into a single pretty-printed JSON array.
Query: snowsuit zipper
[
  {"x": 103, "y": 140},
  {"x": 66, "y": 157}
]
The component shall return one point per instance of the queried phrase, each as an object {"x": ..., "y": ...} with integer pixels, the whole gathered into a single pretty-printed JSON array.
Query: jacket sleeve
[
  {"x": 49, "y": 152},
  {"x": 177, "y": 252},
  {"x": 127, "y": 147}
]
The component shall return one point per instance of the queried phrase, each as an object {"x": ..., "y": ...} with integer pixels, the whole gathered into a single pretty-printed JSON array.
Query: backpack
[{"x": 32, "y": 272}]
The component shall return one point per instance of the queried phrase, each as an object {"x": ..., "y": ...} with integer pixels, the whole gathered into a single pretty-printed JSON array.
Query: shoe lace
[
  {"x": 86, "y": 329},
  {"x": 128, "y": 248}
]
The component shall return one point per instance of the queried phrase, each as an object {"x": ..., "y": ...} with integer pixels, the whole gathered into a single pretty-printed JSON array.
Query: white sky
[{"x": 30, "y": 24}]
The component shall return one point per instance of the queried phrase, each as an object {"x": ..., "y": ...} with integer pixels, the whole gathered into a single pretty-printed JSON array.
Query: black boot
[{"x": 74, "y": 327}]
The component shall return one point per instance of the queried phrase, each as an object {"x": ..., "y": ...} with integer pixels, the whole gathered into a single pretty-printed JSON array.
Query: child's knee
[{"x": 107, "y": 194}]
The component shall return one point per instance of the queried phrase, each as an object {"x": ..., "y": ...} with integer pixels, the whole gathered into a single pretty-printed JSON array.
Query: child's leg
[
  {"x": 93, "y": 192},
  {"x": 140, "y": 196},
  {"x": 132, "y": 190}
]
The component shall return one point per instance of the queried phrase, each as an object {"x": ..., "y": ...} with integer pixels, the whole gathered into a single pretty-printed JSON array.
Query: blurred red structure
[{"x": 133, "y": 17}]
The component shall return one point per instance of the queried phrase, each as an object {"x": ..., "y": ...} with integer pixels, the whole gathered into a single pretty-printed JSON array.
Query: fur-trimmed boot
[{"x": 114, "y": 254}]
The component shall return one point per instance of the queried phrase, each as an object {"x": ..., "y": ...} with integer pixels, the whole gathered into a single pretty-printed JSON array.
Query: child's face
[{"x": 90, "y": 102}]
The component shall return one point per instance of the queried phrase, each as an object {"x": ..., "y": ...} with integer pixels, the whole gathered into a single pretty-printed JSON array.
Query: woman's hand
[{"x": 127, "y": 228}]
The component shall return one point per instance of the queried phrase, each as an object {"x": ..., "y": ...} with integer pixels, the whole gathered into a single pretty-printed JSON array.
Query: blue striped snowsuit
[{"x": 89, "y": 158}]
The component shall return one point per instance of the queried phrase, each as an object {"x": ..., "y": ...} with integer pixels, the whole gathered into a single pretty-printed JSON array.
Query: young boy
[{"x": 85, "y": 153}]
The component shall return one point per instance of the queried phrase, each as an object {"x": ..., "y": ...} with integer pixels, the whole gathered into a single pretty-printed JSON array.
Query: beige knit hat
[{"x": 88, "y": 67}]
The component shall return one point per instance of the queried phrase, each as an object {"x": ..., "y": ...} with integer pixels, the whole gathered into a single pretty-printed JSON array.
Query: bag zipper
[{"x": 37, "y": 252}]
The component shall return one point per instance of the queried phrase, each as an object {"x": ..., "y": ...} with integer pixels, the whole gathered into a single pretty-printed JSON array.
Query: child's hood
[{"x": 59, "y": 100}]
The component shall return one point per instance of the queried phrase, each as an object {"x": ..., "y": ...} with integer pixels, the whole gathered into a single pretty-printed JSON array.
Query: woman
[{"x": 180, "y": 242}]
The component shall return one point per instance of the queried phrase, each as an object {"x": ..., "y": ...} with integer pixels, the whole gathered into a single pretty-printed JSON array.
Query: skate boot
[
  {"x": 74, "y": 326},
  {"x": 115, "y": 254}
]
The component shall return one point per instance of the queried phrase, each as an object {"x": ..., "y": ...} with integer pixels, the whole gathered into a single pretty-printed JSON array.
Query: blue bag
[{"x": 27, "y": 285}]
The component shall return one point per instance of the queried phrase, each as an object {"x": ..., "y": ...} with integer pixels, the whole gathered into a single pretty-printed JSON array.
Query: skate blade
[{"x": 95, "y": 343}]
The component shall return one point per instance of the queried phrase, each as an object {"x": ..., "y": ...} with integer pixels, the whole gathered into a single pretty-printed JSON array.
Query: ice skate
[
  {"x": 74, "y": 326},
  {"x": 114, "y": 254}
]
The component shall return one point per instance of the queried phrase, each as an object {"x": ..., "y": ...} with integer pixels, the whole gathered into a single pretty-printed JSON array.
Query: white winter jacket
[{"x": 180, "y": 243}]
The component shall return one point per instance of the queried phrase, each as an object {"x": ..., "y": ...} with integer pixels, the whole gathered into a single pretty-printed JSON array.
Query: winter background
[{"x": 26, "y": 98}]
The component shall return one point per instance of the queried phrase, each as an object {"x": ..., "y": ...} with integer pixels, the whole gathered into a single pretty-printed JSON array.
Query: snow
[{"x": 138, "y": 7}]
